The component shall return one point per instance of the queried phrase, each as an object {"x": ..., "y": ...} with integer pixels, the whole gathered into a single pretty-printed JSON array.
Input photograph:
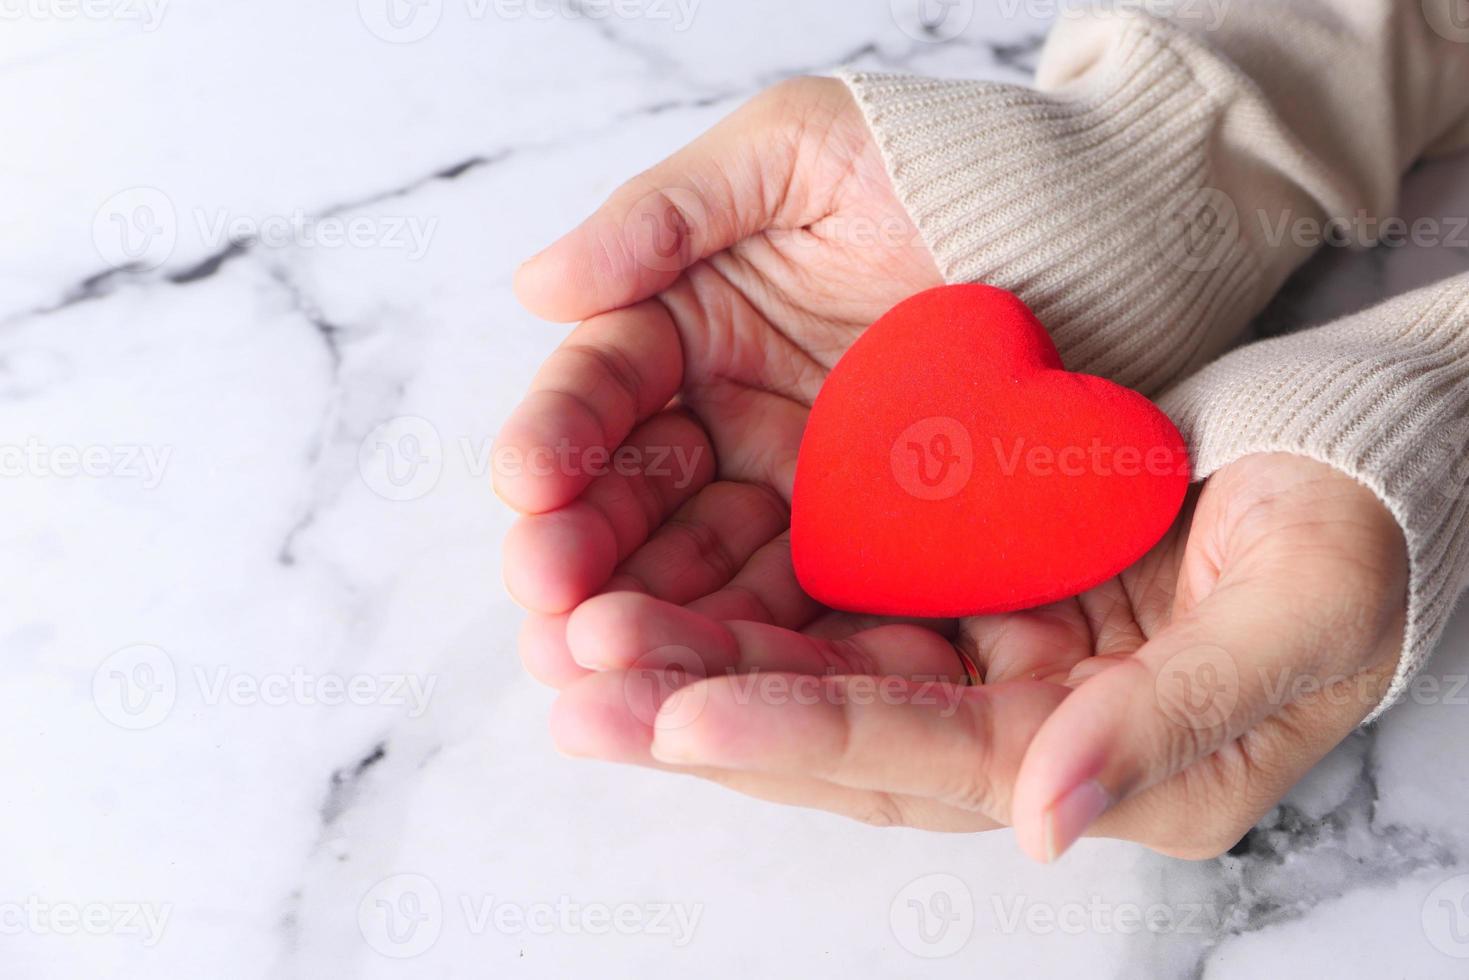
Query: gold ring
[{"x": 972, "y": 676}]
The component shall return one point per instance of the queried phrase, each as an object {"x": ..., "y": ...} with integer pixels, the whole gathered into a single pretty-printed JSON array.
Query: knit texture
[
  {"x": 1130, "y": 200},
  {"x": 1094, "y": 207},
  {"x": 1382, "y": 395}
]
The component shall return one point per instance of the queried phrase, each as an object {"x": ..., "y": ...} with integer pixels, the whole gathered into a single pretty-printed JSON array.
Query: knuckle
[
  {"x": 972, "y": 786},
  {"x": 608, "y": 364},
  {"x": 971, "y": 790},
  {"x": 614, "y": 254},
  {"x": 1183, "y": 748}
]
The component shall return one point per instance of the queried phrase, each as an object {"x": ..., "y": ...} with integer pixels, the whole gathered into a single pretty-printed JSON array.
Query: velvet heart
[{"x": 952, "y": 466}]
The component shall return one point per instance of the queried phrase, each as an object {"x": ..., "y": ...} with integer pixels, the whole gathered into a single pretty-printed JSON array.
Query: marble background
[{"x": 262, "y": 714}]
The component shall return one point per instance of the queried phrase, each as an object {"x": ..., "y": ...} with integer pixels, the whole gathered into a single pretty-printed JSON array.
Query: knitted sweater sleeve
[
  {"x": 1144, "y": 199},
  {"x": 1134, "y": 197}
]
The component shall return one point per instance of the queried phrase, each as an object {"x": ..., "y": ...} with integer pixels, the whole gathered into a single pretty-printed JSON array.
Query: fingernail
[{"x": 1070, "y": 816}]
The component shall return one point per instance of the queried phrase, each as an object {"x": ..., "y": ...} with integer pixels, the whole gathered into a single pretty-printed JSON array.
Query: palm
[
  {"x": 754, "y": 410},
  {"x": 760, "y": 323},
  {"x": 763, "y": 321},
  {"x": 1112, "y": 620},
  {"x": 751, "y": 385},
  {"x": 716, "y": 358}
]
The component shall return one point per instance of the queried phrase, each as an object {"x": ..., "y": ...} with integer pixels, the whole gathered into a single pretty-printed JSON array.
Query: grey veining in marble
[{"x": 263, "y": 715}]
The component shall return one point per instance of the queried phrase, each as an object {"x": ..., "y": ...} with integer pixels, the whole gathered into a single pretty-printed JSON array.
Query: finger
[
  {"x": 730, "y": 183},
  {"x": 648, "y": 648},
  {"x": 544, "y": 651},
  {"x": 1204, "y": 810},
  {"x": 705, "y": 543},
  {"x": 872, "y": 807},
  {"x": 1036, "y": 644},
  {"x": 748, "y": 367},
  {"x": 607, "y": 718},
  {"x": 765, "y": 590},
  {"x": 1214, "y": 674},
  {"x": 555, "y": 560},
  {"x": 619, "y": 630},
  {"x": 960, "y": 746},
  {"x": 627, "y": 630},
  {"x": 609, "y": 715},
  {"x": 897, "y": 651},
  {"x": 665, "y": 462},
  {"x": 613, "y": 371},
  {"x": 837, "y": 625}
]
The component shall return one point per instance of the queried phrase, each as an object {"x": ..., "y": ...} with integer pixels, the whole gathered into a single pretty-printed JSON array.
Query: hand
[
  {"x": 1185, "y": 696},
  {"x": 785, "y": 241},
  {"x": 738, "y": 271}
]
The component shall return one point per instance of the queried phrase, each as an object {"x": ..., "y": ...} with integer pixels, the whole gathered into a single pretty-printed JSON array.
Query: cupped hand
[
  {"x": 653, "y": 460},
  {"x": 657, "y": 446},
  {"x": 1172, "y": 706}
]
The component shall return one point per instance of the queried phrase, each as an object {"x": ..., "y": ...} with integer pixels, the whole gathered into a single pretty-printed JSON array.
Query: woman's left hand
[{"x": 1172, "y": 706}]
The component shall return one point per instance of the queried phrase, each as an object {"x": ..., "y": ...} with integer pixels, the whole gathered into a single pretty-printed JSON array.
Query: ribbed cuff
[
  {"x": 1383, "y": 396},
  {"x": 1096, "y": 204}
]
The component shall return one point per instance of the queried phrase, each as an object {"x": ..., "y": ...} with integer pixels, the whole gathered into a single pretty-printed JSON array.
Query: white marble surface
[{"x": 260, "y": 720}]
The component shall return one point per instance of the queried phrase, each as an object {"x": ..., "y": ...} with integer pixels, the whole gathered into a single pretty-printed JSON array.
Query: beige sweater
[{"x": 1136, "y": 200}]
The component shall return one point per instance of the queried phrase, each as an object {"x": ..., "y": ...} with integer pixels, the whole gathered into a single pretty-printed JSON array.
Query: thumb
[
  {"x": 1212, "y": 675},
  {"x": 732, "y": 182}
]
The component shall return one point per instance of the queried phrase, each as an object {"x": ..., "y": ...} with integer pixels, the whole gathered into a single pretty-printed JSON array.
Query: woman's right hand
[{"x": 717, "y": 290}]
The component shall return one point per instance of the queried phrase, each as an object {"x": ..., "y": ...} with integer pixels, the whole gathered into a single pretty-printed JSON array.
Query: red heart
[{"x": 951, "y": 467}]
